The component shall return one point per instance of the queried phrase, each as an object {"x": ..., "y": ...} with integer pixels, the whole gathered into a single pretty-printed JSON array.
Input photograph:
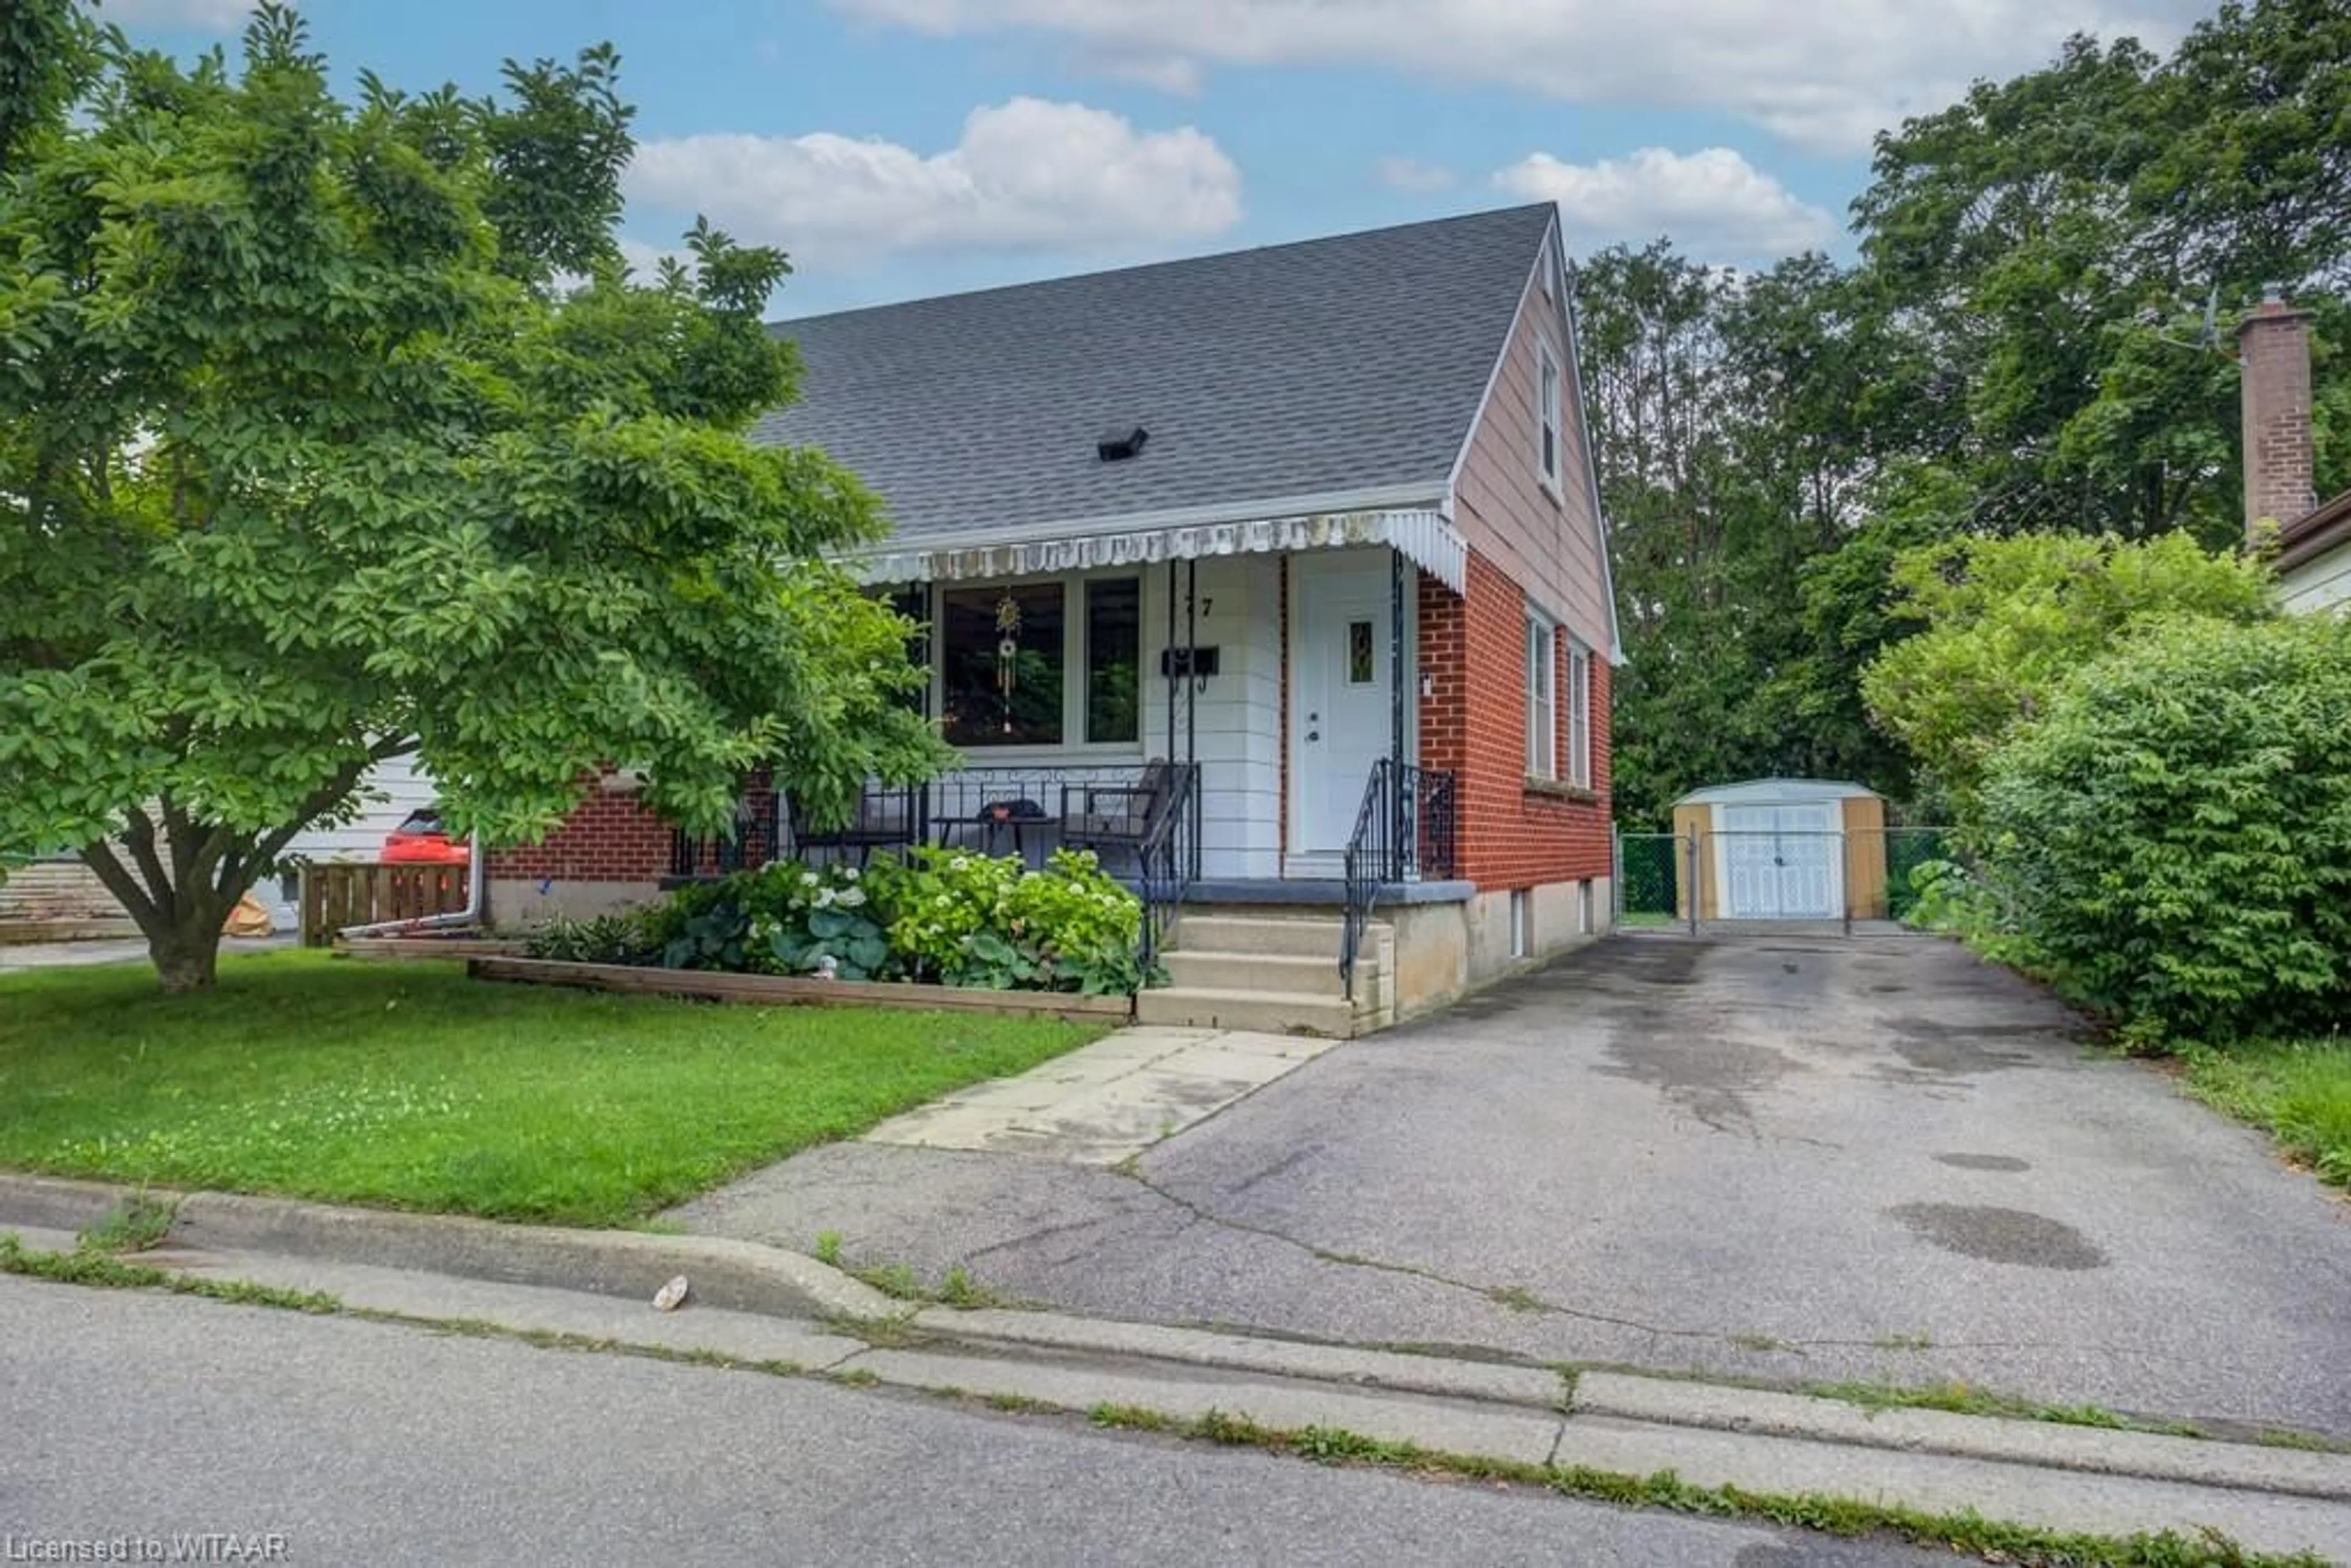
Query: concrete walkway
[{"x": 1108, "y": 1102}]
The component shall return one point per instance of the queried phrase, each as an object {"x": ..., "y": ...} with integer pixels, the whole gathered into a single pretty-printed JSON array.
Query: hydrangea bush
[{"x": 939, "y": 916}]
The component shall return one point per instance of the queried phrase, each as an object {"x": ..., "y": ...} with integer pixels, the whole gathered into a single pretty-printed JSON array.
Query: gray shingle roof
[{"x": 1328, "y": 365}]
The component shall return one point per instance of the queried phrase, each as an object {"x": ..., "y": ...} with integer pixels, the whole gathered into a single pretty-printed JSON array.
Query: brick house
[
  {"x": 2313, "y": 542},
  {"x": 1290, "y": 557}
]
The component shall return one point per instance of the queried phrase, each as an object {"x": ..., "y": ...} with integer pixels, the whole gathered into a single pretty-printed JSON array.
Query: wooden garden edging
[
  {"x": 430, "y": 947},
  {"x": 779, "y": 991}
]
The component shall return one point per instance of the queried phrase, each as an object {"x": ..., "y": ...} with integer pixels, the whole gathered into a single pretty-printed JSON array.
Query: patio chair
[
  {"x": 1119, "y": 818},
  {"x": 884, "y": 819}
]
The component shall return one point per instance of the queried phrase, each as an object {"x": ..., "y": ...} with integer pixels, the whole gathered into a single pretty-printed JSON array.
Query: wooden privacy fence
[{"x": 341, "y": 893}]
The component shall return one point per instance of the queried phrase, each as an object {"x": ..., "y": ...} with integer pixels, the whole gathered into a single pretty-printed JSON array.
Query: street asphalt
[
  {"x": 134, "y": 1416},
  {"x": 1808, "y": 1159}
]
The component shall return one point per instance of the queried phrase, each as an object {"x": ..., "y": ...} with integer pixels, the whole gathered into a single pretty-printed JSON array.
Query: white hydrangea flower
[{"x": 809, "y": 879}]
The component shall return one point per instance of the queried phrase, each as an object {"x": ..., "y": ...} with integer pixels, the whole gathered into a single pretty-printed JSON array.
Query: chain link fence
[{"x": 1858, "y": 880}]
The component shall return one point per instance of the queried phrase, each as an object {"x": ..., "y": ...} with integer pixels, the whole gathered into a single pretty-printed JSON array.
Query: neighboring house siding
[
  {"x": 388, "y": 793},
  {"x": 2323, "y": 583},
  {"x": 56, "y": 890},
  {"x": 1474, "y": 723},
  {"x": 68, "y": 890},
  {"x": 1543, "y": 539}
]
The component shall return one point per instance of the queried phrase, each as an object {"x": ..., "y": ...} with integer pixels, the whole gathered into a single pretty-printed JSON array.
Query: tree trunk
[{"x": 187, "y": 955}]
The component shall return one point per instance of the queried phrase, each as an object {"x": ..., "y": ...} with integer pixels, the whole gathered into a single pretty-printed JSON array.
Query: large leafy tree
[
  {"x": 1736, "y": 423},
  {"x": 2036, "y": 337},
  {"x": 2002, "y": 621},
  {"x": 332, "y": 432}
]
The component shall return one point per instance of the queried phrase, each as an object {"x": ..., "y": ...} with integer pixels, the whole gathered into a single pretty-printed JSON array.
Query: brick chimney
[{"x": 2274, "y": 349}]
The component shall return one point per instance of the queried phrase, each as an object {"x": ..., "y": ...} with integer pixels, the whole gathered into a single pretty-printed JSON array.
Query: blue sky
[{"x": 898, "y": 148}]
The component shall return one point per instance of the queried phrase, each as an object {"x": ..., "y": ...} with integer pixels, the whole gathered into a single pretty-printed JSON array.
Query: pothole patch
[{"x": 2000, "y": 1235}]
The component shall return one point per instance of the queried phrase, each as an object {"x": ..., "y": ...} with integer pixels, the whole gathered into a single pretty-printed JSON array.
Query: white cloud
[
  {"x": 1824, "y": 75},
  {"x": 1175, "y": 74},
  {"x": 1714, "y": 204},
  {"x": 1412, "y": 174},
  {"x": 212, "y": 15},
  {"x": 1027, "y": 176}
]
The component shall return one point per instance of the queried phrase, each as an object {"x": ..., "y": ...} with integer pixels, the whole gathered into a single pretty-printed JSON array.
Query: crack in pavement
[
  {"x": 1494, "y": 1294},
  {"x": 1490, "y": 1293}
]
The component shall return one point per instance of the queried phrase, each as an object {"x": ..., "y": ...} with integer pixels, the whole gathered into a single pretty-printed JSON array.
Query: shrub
[
  {"x": 944, "y": 916},
  {"x": 2173, "y": 837},
  {"x": 623, "y": 938},
  {"x": 970, "y": 920},
  {"x": 781, "y": 919},
  {"x": 2007, "y": 619}
]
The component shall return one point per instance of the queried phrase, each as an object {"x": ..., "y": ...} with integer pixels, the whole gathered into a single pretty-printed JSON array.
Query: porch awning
[{"x": 1421, "y": 535}]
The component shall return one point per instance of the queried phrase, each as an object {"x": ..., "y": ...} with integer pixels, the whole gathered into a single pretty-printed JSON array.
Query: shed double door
[{"x": 1782, "y": 863}]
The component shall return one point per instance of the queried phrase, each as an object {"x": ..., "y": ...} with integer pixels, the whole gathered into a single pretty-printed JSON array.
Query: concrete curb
[
  {"x": 59, "y": 1203},
  {"x": 2048, "y": 1445},
  {"x": 735, "y": 1276},
  {"x": 1672, "y": 1402},
  {"x": 1492, "y": 1382},
  {"x": 746, "y": 1277}
]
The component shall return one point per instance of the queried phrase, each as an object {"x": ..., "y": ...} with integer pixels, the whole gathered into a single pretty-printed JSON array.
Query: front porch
[{"x": 1234, "y": 731}]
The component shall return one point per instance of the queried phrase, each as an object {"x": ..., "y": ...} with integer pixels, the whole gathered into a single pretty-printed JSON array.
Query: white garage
[{"x": 1782, "y": 848}]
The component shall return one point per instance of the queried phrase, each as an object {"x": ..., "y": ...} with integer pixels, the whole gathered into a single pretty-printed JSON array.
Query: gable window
[
  {"x": 1546, "y": 411},
  {"x": 1579, "y": 717},
  {"x": 1542, "y": 707},
  {"x": 1041, "y": 663}
]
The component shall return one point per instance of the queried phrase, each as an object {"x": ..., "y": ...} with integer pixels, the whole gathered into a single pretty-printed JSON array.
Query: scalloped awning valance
[{"x": 1421, "y": 535}]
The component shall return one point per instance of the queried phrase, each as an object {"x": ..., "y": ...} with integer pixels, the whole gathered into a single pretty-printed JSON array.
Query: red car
[{"x": 422, "y": 840}]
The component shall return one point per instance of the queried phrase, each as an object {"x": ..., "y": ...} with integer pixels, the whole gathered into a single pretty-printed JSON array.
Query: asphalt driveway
[{"x": 1805, "y": 1159}]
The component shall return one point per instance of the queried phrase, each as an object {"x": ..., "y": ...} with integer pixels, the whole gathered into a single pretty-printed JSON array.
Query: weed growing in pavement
[{"x": 138, "y": 1224}]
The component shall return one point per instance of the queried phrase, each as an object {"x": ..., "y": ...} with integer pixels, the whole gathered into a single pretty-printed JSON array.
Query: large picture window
[{"x": 1041, "y": 663}]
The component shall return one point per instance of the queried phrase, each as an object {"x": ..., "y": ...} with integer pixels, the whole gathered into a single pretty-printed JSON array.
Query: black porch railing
[
  {"x": 1167, "y": 862},
  {"x": 1405, "y": 832},
  {"x": 751, "y": 845},
  {"x": 1143, "y": 820}
]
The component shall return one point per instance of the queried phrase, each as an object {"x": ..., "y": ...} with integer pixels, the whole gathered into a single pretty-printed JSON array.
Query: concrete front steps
[{"x": 1272, "y": 974}]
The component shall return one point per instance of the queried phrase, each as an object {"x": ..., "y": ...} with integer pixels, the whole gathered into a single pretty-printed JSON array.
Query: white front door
[
  {"x": 1781, "y": 862},
  {"x": 1340, "y": 718}
]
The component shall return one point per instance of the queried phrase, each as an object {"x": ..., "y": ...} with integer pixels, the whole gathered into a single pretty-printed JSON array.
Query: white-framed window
[
  {"x": 1542, "y": 699},
  {"x": 1579, "y": 717},
  {"x": 1547, "y": 416},
  {"x": 1584, "y": 911},
  {"x": 1523, "y": 934},
  {"x": 1040, "y": 663}
]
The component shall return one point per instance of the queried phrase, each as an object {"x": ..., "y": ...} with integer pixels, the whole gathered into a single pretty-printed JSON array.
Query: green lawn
[
  {"x": 2301, "y": 1093},
  {"x": 406, "y": 1085}
]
